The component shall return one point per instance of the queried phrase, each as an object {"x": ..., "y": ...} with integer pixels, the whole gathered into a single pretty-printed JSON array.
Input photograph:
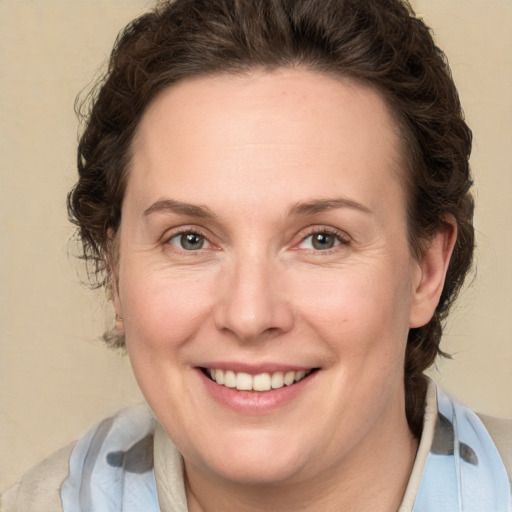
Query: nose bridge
[{"x": 253, "y": 301}]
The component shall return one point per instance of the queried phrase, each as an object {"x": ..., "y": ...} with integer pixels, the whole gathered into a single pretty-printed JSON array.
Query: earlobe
[
  {"x": 113, "y": 281},
  {"x": 119, "y": 325},
  {"x": 432, "y": 269},
  {"x": 114, "y": 295}
]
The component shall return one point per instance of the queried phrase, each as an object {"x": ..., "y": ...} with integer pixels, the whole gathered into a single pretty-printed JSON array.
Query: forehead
[{"x": 277, "y": 132}]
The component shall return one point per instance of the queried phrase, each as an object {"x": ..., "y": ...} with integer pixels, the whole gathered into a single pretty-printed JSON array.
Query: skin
[{"x": 248, "y": 150}]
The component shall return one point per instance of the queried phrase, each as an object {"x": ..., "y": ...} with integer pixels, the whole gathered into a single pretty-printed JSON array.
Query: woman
[{"x": 276, "y": 195}]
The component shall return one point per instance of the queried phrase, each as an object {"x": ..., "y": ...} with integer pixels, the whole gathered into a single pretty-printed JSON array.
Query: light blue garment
[
  {"x": 111, "y": 467},
  {"x": 464, "y": 471}
]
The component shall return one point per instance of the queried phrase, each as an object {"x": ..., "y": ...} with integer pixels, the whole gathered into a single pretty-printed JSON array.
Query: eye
[
  {"x": 189, "y": 241},
  {"x": 322, "y": 241}
]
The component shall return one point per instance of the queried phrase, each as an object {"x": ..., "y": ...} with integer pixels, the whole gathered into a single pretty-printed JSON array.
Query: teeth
[
  {"x": 219, "y": 376},
  {"x": 299, "y": 375},
  {"x": 277, "y": 380},
  {"x": 243, "y": 381},
  {"x": 289, "y": 378},
  {"x": 230, "y": 379},
  {"x": 260, "y": 382}
]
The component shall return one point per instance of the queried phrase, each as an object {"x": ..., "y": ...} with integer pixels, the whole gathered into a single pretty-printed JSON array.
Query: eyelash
[{"x": 341, "y": 237}]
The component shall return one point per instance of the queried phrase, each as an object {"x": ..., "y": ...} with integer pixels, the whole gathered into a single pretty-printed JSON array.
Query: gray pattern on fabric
[
  {"x": 111, "y": 467},
  {"x": 137, "y": 459},
  {"x": 444, "y": 438}
]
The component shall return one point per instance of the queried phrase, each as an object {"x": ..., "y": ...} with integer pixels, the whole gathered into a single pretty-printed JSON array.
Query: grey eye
[
  {"x": 320, "y": 241},
  {"x": 188, "y": 241}
]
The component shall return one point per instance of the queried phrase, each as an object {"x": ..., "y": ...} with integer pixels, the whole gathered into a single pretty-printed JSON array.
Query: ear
[
  {"x": 113, "y": 279},
  {"x": 432, "y": 268},
  {"x": 119, "y": 326}
]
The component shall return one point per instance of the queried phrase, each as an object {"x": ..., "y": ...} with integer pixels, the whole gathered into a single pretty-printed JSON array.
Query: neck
[{"x": 373, "y": 477}]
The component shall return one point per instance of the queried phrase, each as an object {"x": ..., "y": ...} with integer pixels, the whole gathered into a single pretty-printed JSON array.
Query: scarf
[
  {"x": 112, "y": 467},
  {"x": 464, "y": 471}
]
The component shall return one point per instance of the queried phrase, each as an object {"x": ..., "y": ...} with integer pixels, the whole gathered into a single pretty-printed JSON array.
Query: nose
[{"x": 253, "y": 301}]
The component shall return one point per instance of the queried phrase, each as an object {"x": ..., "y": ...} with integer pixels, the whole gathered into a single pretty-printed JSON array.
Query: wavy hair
[{"x": 380, "y": 43}]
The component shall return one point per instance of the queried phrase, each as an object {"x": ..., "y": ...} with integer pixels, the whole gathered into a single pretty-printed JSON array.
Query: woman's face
[{"x": 263, "y": 240}]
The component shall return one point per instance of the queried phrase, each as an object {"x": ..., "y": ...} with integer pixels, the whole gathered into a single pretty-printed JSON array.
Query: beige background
[{"x": 57, "y": 378}]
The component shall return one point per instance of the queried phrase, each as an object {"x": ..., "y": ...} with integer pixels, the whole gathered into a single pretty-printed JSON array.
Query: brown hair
[{"x": 376, "y": 42}]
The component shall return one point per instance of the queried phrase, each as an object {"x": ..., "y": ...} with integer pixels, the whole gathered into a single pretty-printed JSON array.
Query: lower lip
[{"x": 255, "y": 402}]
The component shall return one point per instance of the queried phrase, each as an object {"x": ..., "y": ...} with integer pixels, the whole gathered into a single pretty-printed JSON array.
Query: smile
[{"x": 261, "y": 382}]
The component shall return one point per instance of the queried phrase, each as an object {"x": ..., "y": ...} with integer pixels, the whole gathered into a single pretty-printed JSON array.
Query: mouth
[{"x": 260, "y": 382}]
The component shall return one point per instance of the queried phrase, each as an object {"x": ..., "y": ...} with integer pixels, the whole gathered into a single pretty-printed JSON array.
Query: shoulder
[
  {"x": 39, "y": 489},
  {"x": 500, "y": 431},
  {"x": 122, "y": 442}
]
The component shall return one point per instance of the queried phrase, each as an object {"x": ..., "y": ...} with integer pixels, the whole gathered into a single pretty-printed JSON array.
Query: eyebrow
[
  {"x": 172, "y": 206},
  {"x": 301, "y": 208},
  {"x": 323, "y": 205}
]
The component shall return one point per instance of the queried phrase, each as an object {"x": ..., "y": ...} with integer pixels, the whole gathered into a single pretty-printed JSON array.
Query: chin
[{"x": 255, "y": 458}]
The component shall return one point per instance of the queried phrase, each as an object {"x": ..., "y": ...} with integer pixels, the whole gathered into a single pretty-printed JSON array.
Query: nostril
[{"x": 252, "y": 304}]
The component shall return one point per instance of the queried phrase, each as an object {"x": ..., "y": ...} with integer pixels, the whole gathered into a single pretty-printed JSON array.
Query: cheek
[
  {"x": 359, "y": 311},
  {"x": 163, "y": 310}
]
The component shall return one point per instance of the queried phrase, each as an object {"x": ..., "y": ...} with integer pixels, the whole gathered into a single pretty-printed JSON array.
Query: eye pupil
[
  {"x": 323, "y": 241},
  {"x": 191, "y": 241}
]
